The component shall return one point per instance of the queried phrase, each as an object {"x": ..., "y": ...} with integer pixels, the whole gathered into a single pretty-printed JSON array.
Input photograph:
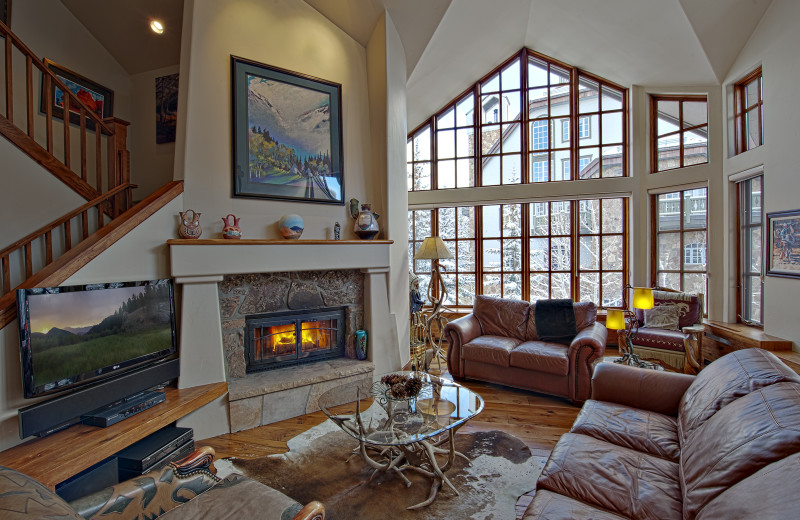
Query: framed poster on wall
[
  {"x": 287, "y": 134},
  {"x": 98, "y": 98},
  {"x": 783, "y": 250}
]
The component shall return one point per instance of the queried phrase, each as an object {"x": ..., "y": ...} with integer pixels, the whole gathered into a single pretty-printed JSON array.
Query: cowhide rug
[{"x": 314, "y": 469}]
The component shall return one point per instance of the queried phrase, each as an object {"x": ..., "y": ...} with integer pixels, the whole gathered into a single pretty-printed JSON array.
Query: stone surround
[{"x": 274, "y": 395}]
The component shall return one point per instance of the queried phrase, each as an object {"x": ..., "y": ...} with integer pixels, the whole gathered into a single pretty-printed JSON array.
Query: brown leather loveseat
[
  {"x": 724, "y": 444},
  {"x": 499, "y": 343}
]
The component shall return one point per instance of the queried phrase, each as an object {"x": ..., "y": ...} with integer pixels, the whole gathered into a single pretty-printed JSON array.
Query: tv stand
[{"x": 53, "y": 459}]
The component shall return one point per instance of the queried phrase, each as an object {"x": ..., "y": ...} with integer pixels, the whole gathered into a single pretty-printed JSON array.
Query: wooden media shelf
[{"x": 55, "y": 458}]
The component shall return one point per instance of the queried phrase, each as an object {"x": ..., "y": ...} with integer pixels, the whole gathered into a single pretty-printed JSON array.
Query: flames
[{"x": 279, "y": 340}]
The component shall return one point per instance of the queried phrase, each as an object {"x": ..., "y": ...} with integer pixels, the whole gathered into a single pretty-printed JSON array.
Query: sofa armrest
[
  {"x": 153, "y": 493},
  {"x": 459, "y": 332},
  {"x": 654, "y": 390},
  {"x": 585, "y": 350},
  {"x": 312, "y": 511}
]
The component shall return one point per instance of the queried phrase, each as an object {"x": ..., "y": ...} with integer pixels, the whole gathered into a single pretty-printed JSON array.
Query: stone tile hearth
[{"x": 274, "y": 395}]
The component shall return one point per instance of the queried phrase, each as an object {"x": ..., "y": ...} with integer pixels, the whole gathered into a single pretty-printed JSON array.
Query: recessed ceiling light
[{"x": 157, "y": 27}]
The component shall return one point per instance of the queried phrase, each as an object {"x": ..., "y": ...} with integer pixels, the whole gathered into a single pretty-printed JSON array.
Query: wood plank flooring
[{"x": 536, "y": 419}]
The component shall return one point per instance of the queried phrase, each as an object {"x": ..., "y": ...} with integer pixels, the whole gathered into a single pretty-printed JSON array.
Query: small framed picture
[
  {"x": 783, "y": 250},
  {"x": 98, "y": 98},
  {"x": 287, "y": 135}
]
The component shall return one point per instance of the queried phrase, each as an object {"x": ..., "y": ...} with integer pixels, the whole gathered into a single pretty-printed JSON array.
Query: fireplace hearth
[{"x": 279, "y": 339}]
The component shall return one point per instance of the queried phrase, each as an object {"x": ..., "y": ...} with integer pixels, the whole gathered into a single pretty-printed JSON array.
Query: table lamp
[{"x": 625, "y": 319}]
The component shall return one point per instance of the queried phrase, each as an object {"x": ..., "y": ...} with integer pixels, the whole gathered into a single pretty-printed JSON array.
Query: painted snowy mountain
[{"x": 295, "y": 116}]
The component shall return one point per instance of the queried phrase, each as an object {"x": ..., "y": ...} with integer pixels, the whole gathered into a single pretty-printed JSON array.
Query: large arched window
[{"x": 531, "y": 120}]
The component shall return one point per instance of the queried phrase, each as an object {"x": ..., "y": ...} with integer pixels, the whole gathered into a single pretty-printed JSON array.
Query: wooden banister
[
  {"x": 115, "y": 166},
  {"x": 60, "y": 269}
]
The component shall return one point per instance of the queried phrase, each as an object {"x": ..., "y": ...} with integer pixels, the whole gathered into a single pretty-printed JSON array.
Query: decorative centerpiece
[
  {"x": 366, "y": 225},
  {"x": 291, "y": 226},
  {"x": 401, "y": 387}
]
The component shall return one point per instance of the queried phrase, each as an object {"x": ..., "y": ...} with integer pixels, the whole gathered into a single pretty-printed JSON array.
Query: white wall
[
  {"x": 283, "y": 33},
  {"x": 774, "y": 46},
  {"x": 151, "y": 163}
]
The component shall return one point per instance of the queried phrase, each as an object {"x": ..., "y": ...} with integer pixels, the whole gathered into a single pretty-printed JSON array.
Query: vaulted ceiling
[{"x": 449, "y": 44}]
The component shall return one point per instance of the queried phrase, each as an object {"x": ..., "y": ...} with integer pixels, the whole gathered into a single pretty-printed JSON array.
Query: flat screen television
[{"x": 76, "y": 335}]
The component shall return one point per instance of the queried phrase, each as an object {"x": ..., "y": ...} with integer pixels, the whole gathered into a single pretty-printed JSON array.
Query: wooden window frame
[
  {"x": 741, "y": 110},
  {"x": 573, "y": 146},
  {"x": 680, "y": 132},
  {"x": 455, "y": 242},
  {"x": 680, "y": 231},
  {"x": 743, "y": 227},
  {"x": 413, "y": 163}
]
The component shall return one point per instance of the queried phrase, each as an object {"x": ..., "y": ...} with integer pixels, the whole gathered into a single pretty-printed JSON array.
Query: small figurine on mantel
[
  {"x": 231, "y": 228},
  {"x": 366, "y": 225},
  {"x": 337, "y": 231},
  {"x": 190, "y": 224}
]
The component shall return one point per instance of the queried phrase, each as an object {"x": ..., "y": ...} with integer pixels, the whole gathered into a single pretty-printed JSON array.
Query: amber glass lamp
[{"x": 625, "y": 319}]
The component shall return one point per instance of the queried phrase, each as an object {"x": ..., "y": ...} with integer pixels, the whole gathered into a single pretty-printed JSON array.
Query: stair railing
[{"x": 57, "y": 156}]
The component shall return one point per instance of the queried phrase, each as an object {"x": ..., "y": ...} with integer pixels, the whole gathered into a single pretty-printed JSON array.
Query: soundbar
[
  {"x": 52, "y": 415},
  {"x": 114, "y": 413}
]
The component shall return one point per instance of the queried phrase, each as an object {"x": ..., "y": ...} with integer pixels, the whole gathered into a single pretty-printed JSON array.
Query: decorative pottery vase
[
  {"x": 291, "y": 226},
  {"x": 337, "y": 231},
  {"x": 190, "y": 225},
  {"x": 366, "y": 226},
  {"x": 361, "y": 344},
  {"x": 231, "y": 229}
]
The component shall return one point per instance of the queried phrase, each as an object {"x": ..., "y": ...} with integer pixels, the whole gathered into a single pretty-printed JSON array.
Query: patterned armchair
[{"x": 670, "y": 333}]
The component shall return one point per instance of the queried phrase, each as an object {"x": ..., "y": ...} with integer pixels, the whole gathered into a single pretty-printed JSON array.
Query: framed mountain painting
[{"x": 287, "y": 134}]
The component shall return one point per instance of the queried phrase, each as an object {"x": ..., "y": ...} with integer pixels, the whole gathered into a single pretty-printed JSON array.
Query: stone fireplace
[{"x": 223, "y": 281}]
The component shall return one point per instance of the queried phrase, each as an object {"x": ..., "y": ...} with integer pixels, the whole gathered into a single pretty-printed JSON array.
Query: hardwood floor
[{"x": 536, "y": 419}]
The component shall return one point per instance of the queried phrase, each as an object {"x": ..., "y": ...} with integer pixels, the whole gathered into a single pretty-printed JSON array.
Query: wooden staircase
[{"x": 88, "y": 154}]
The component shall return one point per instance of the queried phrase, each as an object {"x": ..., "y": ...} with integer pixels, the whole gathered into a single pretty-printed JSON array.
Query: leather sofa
[
  {"x": 498, "y": 342},
  {"x": 187, "y": 489},
  {"x": 724, "y": 444}
]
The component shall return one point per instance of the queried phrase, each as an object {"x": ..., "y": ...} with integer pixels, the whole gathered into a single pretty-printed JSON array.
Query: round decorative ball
[{"x": 291, "y": 226}]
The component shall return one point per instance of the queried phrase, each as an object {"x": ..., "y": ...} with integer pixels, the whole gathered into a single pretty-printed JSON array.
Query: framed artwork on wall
[
  {"x": 5, "y": 12},
  {"x": 287, "y": 134},
  {"x": 783, "y": 250},
  {"x": 166, "y": 108},
  {"x": 98, "y": 98}
]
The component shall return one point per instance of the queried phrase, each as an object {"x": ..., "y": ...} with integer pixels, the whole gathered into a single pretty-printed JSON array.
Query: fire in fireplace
[{"x": 285, "y": 338}]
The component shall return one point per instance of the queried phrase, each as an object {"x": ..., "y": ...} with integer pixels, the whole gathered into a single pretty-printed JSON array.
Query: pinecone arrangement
[{"x": 401, "y": 386}]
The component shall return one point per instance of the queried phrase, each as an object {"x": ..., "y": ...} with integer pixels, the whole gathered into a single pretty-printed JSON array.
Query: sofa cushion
[
  {"x": 552, "y": 506},
  {"x": 237, "y": 497},
  {"x": 555, "y": 320},
  {"x": 613, "y": 478},
  {"x": 541, "y": 356},
  {"x": 769, "y": 485},
  {"x": 725, "y": 380},
  {"x": 585, "y": 314},
  {"x": 740, "y": 439},
  {"x": 23, "y": 497},
  {"x": 659, "y": 338},
  {"x": 662, "y": 317},
  {"x": 501, "y": 317},
  {"x": 634, "y": 428},
  {"x": 494, "y": 350}
]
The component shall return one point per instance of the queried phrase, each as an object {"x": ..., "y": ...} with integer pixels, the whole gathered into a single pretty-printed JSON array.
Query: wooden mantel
[{"x": 268, "y": 242}]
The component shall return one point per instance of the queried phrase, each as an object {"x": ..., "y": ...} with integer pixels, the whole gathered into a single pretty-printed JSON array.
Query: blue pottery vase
[{"x": 361, "y": 344}]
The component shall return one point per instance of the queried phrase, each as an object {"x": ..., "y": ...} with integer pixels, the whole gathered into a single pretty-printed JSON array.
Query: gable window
[
  {"x": 678, "y": 131},
  {"x": 749, "y": 112},
  {"x": 679, "y": 249},
  {"x": 497, "y": 131},
  {"x": 751, "y": 251}
]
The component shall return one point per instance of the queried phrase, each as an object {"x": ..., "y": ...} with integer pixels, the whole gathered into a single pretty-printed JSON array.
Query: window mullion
[{"x": 525, "y": 236}]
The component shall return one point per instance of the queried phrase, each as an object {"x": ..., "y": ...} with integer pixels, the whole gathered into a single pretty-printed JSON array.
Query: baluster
[
  {"x": 67, "y": 235},
  {"x": 85, "y": 222},
  {"x": 6, "y": 275},
  {"x": 98, "y": 158},
  {"x": 83, "y": 142},
  {"x": 67, "y": 103},
  {"x": 100, "y": 220},
  {"x": 28, "y": 261},
  {"x": 29, "y": 92},
  {"x": 48, "y": 245},
  {"x": 48, "y": 110},
  {"x": 9, "y": 83}
]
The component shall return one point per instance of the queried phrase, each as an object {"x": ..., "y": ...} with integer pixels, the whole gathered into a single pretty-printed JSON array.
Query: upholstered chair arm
[
  {"x": 153, "y": 493},
  {"x": 459, "y": 332},
  {"x": 654, "y": 390},
  {"x": 586, "y": 349}
]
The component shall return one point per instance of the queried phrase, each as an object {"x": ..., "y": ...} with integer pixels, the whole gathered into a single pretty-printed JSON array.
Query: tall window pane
[
  {"x": 749, "y": 112},
  {"x": 751, "y": 250},
  {"x": 679, "y": 132}
]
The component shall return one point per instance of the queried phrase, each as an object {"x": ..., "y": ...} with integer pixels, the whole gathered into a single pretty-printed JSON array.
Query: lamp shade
[
  {"x": 432, "y": 248},
  {"x": 615, "y": 319},
  {"x": 642, "y": 298}
]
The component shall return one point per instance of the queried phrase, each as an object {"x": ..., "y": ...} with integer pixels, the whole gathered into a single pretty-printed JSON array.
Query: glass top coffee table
[{"x": 399, "y": 434}]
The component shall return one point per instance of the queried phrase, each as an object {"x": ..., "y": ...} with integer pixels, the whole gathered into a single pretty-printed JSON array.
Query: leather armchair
[{"x": 678, "y": 350}]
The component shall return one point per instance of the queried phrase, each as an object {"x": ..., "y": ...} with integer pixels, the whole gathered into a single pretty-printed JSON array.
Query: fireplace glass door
[{"x": 288, "y": 338}]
